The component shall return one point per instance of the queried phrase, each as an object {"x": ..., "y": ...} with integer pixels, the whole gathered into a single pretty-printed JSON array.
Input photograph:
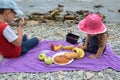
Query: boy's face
[{"x": 10, "y": 15}]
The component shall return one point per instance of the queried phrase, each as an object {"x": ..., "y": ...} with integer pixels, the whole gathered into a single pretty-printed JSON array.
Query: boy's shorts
[{"x": 28, "y": 44}]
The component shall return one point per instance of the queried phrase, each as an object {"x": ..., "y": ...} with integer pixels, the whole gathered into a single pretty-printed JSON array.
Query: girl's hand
[
  {"x": 80, "y": 45},
  {"x": 93, "y": 56},
  {"x": 84, "y": 48}
]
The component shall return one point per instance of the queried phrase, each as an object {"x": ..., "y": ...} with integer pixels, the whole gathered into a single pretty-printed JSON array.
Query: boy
[{"x": 13, "y": 45}]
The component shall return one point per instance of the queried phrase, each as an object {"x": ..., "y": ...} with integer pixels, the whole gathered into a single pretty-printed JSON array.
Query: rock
[
  {"x": 83, "y": 12},
  {"x": 60, "y": 7},
  {"x": 70, "y": 17},
  {"x": 59, "y": 18},
  {"x": 101, "y": 75},
  {"x": 119, "y": 10},
  {"x": 89, "y": 75},
  {"x": 48, "y": 17},
  {"x": 98, "y": 6},
  {"x": 32, "y": 22},
  {"x": 55, "y": 12},
  {"x": 63, "y": 13},
  {"x": 79, "y": 17},
  {"x": 37, "y": 17},
  {"x": 61, "y": 72},
  {"x": 70, "y": 13},
  {"x": 52, "y": 23}
]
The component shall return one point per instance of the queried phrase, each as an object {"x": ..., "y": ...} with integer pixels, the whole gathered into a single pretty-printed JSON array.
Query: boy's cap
[{"x": 10, "y": 4}]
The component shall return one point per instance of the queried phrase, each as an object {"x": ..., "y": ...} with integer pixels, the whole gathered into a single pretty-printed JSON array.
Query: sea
[{"x": 109, "y": 8}]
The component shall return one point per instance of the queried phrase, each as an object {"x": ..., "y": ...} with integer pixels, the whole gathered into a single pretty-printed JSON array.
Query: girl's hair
[{"x": 101, "y": 38}]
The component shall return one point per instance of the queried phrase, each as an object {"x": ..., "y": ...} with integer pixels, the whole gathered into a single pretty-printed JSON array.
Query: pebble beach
[{"x": 56, "y": 30}]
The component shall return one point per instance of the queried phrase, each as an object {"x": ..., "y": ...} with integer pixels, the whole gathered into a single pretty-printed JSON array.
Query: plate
[{"x": 61, "y": 53}]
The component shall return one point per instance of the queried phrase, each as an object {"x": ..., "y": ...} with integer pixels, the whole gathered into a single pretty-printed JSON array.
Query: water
[{"x": 109, "y": 9}]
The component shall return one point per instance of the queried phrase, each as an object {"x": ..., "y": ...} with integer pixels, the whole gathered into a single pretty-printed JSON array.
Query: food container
[{"x": 72, "y": 38}]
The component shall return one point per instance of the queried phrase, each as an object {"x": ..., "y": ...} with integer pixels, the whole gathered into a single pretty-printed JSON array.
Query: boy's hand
[
  {"x": 21, "y": 22},
  {"x": 20, "y": 25}
]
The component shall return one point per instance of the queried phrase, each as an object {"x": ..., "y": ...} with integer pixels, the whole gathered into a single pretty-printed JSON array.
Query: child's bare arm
[
  {"x": 84, "y": 47},
  {"x": 99, "y": 52},
  {"x": 18, "y": 41}
]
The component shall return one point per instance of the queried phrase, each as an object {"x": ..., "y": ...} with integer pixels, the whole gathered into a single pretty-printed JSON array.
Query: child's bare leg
[{"x": 39, "y": 38}]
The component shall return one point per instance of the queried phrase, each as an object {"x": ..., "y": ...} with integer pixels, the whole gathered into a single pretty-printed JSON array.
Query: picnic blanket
[{"x": 30, "y": 63}]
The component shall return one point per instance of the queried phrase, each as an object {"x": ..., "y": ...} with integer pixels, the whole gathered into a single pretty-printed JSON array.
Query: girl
[{"x": 95, "y": 41}]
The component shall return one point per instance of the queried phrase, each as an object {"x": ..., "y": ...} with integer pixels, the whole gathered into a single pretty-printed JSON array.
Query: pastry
[
  {"x": 71, "y": 55},
  {"x": 61, "y": 59}
]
